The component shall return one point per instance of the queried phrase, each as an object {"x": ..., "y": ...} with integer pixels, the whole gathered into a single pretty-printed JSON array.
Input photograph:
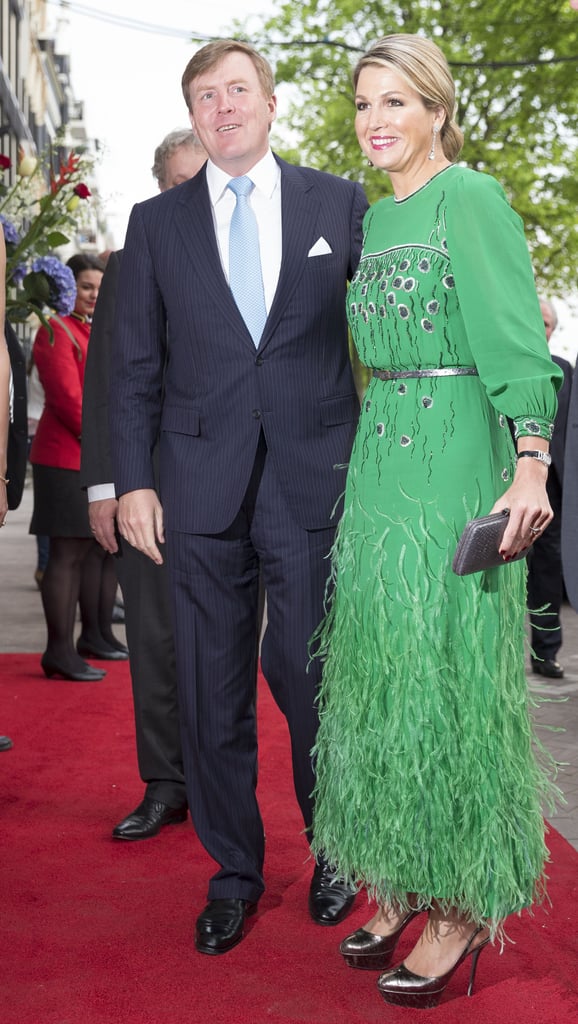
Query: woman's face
[
  {"x": 87, "y": 285},
  {"x": 394, "y": 127}
]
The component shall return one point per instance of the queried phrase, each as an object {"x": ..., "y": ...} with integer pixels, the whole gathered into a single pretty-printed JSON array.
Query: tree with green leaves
[{"x": 515, "y": 66}]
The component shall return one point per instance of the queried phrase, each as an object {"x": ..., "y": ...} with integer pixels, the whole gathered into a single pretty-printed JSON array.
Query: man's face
[
  {"x": 180, "y": 166},
  {"x": 231, "y": 115},
  {"x": 549, "y": 322}
]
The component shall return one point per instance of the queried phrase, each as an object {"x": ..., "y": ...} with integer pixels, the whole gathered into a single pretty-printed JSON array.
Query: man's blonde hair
[{"x": 211, "y": 54}]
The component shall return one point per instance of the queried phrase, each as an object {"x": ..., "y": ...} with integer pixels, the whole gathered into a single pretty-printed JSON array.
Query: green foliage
[
  {"x": 36, "y": 288},
  {"x": 56, "y": 238},
  {"x": 519, "y": 120}
]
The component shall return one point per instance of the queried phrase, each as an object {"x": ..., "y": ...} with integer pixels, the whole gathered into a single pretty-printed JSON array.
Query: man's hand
[
  {"x": 140, "y": 521},
  {"x": 102, "y": 515}
]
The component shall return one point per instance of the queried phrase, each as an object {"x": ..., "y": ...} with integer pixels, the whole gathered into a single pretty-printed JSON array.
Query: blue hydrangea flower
[
  {"x": 10, "y": 232},
  {"x": 19, "y": 273},
  {"x": 61, "y": 282}
]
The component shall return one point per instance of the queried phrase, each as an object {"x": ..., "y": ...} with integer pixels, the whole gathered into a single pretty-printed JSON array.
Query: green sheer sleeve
[{"x": 499, "y": 305}]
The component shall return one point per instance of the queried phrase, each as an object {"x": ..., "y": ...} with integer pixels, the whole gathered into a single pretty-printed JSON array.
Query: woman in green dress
[{"x": 428, "y": 791}]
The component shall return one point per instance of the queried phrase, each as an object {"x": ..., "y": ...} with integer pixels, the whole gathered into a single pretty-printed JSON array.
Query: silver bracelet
[{"x": 544, "y": 457}]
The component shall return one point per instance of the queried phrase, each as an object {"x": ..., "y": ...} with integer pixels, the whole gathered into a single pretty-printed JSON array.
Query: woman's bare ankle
[{"x": 442, "y": 942}]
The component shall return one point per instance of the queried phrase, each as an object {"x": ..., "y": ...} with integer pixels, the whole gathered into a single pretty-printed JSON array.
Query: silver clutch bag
[{"x": 479, "y": 545}]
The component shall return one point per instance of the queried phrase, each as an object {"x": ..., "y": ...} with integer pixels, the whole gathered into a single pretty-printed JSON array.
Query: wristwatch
[{"x": 544, "y": 457}]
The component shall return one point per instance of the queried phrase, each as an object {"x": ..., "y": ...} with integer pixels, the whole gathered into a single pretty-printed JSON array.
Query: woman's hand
[{"x": 530, "y": 511}]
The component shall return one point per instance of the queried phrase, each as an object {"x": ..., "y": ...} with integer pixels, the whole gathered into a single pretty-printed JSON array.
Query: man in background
[
  {"x": 144, "y": 585},
  {"x": 570, "y": 499},
  {"x": 545, "y": 579}
]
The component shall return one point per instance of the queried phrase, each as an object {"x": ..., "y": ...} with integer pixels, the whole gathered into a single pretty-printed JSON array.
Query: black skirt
[{"x": 60, "y": 505}]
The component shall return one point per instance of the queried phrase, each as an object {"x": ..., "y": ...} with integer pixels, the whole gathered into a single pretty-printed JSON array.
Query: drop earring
[{"x": 432, "y": 152}]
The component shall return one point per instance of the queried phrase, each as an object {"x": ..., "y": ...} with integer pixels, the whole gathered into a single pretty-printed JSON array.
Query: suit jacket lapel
[{"x": 300, "y": 212}]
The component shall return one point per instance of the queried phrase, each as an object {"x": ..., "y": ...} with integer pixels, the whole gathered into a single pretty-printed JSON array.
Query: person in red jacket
[{"x": 76, "y": 568}]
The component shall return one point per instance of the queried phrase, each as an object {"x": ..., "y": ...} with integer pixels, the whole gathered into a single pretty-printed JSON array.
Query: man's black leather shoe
[
  {"x": 222, "y": 925},
  {"x": 148, "y": 819},
  {"x": 330, "y": 898},
  {"x": 549, "y": 667}
]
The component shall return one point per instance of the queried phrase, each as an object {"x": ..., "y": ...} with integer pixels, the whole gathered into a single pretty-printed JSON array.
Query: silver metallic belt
[{"x": 446, "y": 371}]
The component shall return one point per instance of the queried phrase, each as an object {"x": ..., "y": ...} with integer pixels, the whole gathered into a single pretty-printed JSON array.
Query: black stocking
[
  {"x": 98, "y": 586},
  {"x": 60, "y": 589},
  {"x": 108, "y": 592}
]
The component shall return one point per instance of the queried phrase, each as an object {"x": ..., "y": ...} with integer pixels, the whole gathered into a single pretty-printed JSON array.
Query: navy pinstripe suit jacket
[{"x": 219, "y": 391}]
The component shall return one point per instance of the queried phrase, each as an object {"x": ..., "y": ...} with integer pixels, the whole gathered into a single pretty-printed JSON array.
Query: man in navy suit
[{"x": 255, "y": 435}]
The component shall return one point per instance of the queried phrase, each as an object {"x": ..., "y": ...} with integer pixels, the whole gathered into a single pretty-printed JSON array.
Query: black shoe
[
  {"x": 222, "y": 925},
  {"x": 118, "y": 614},
  {"x": 102, "y": 654},
  {"x": 330, "y": 898},
  {"x": 549, "y": 667},
  {"x": 85, "y": 675},
  {"x": 117, "y": 645},
  {"x": 5, "y": 743},
  {"x": 147, "y": 820}
]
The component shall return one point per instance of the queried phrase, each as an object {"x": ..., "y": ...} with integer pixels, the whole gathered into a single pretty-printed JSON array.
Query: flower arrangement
[{"x": 38, "y": 214}]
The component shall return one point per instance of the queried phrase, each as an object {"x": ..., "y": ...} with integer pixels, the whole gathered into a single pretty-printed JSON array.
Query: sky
[{"x": 129, "y": 82}]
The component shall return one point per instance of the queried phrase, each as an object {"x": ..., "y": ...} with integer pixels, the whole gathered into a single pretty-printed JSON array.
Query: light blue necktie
[{"x": 245, "y": 276}]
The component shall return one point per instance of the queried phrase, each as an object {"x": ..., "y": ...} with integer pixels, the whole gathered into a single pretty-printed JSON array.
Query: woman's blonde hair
[{"x": 425, "y": 68}]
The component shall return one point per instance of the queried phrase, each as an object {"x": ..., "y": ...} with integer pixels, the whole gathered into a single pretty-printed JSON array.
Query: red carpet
[{"x": 98, "y": 932}]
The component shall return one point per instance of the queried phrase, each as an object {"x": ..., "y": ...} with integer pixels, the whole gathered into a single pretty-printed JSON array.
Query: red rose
[
  {"x": 82, "y": 191},
  {"x": 5, "y": 162}
]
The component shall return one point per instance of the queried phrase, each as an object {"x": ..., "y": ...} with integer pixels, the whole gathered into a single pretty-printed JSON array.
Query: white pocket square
[{"x": 321, "y": 248}]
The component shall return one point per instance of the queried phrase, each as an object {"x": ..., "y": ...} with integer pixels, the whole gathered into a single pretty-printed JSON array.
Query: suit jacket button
[
  {"x": 259, "y": 361},
  {"x": 257, "y": 414}
]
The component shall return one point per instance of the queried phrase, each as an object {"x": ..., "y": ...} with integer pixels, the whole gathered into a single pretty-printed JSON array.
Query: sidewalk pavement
[{"x": 22, "y": 630}]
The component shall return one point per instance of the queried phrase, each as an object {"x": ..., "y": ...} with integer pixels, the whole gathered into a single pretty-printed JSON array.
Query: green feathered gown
[{"x": 427, "y": 780}]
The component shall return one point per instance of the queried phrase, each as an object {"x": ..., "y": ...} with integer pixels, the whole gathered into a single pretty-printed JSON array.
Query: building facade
[{"x": 38, "y": 108}]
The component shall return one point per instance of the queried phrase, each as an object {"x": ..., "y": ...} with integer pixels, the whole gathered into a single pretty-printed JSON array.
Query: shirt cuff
[{"x": 100, "y": 491}]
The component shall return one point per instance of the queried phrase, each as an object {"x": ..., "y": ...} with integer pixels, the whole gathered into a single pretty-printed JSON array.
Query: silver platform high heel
[
  {"x": 371, "y": 952},
  {"x": 404, "y": 988}
]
